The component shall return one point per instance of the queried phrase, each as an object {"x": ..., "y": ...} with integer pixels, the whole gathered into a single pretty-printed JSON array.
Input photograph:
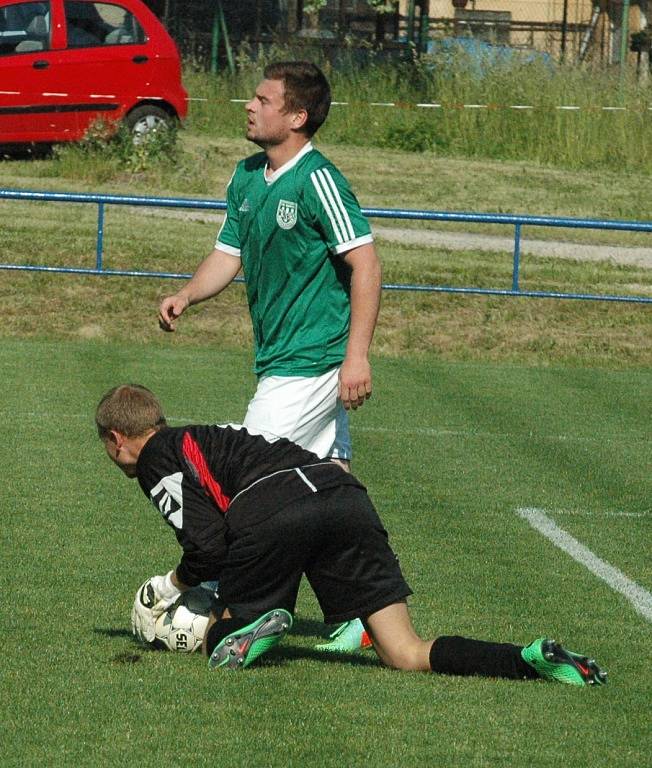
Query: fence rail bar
[
  {"x": 515, "y": 220},
  {"x": 88, "y": 197},
  {"x": 510, "y": 218},
  {"x": 379, "y": 213},
  {"x": 386, "y": 286}
]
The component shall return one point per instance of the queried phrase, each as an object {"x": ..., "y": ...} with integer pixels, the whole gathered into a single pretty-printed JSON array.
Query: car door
[
  {"x": 32, "y": 107},
  {"x": 108, "y": 58}
]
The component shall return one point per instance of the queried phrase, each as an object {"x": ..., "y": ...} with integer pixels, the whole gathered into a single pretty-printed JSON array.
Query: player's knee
[{"x": 405, "y": 658}]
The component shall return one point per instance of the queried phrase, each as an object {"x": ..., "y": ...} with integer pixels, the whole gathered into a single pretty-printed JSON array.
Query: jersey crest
[
  {"x": 286, "y": 214},
  {"x": 168, "y": 497}
]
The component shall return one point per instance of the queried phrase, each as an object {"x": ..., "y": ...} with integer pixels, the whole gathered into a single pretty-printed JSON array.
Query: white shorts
[{"x": 305, "y": 409}]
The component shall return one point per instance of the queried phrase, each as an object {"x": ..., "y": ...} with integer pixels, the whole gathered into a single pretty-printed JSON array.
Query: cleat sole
[
  {"x": 243, "y": 647},
  {"x": 553, "y": 662}
]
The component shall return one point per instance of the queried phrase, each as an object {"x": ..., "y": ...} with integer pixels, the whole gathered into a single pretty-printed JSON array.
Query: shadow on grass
[
  {"x": 112, "y": 632},
  {"x": 275, "y": 657},
  {"x": 303, "y": 627},
  {"x": 311, "y": 628},
  {"x": 364, "y": 659}
]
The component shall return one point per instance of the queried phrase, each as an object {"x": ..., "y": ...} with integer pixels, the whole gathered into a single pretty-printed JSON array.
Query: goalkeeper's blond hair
[{"x": 130, "y": 409}]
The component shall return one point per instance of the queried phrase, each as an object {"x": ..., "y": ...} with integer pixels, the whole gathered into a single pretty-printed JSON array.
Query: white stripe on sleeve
[
  {"x": 339, "y": 204},
  {"x": 326, "y": 201}
]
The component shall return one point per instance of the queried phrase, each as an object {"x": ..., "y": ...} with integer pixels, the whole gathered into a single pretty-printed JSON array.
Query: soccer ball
[{"x": 183, "y": 626}]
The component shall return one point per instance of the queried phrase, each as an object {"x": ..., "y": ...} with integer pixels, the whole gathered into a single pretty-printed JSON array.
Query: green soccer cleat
[
  {"x": 347, "y": 638},
  {"x": 552, "y": 662},
  {"x": 242, "y": 648}
]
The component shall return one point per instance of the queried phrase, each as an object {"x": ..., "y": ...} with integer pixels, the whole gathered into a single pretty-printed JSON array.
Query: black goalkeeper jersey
[{"x": 206, "y": 480}]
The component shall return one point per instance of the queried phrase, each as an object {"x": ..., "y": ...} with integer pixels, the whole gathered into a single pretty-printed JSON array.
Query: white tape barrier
[{"x": 395, "y": 104}]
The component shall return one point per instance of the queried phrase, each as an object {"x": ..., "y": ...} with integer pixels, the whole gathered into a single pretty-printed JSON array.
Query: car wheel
[{"x": 145, "y": 119}]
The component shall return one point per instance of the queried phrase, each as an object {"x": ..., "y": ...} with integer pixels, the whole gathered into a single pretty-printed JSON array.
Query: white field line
[
  {"x": 423, "y": 431},
  {"x": 640, "y": 598},
  {"x": 445, "y": 432},
  {"x": 588, "y": 513}
]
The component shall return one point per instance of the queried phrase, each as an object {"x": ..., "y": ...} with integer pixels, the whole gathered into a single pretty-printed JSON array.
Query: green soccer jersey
[{"x": 290, "y": 230}]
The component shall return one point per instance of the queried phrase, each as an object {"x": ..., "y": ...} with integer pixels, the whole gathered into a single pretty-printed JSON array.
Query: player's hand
[
  {"x": 153, "y": 598},
  {"x": 170, "y": 309},
  {"x": 354, "y": 386}
]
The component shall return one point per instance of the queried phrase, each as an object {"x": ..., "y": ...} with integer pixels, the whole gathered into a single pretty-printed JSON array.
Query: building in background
[
  {"x": 570, "y": 30},
  {"x": 573, "y": 30}
]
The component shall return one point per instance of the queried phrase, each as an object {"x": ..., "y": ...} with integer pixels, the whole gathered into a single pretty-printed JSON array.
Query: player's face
[{"x": 268, "y": 123}]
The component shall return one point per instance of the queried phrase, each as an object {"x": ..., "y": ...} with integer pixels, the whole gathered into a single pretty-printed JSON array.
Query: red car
[{"x": 67, "y": 63}]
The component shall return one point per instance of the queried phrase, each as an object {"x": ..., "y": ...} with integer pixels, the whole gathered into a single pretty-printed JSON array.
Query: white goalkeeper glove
[{"x": 153, "y": 598}]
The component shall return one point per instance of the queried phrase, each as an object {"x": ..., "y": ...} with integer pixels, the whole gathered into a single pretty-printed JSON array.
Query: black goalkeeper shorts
[{"x": 335, "y": 537}]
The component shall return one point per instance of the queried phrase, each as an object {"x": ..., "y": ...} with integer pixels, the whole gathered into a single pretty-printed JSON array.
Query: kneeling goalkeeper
[{"x": 257, "y": 516}]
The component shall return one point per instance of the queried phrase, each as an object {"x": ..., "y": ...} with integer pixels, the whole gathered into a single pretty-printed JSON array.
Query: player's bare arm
[
  {"x": 211, "y": 277},
  {"x": 355, "y": 374}
]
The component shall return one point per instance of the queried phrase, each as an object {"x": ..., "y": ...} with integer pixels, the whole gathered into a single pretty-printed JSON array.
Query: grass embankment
[{"x": 455, "y": 327}]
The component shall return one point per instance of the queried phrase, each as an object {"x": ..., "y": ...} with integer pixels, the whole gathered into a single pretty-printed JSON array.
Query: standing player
[
  {"x": 257, "y": 516},
  {"x": 313, "y": 278}
]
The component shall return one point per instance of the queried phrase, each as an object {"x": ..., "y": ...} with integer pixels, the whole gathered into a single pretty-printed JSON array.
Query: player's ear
[
  {"x": 117, "y": 438},
  {"x": 299, "y": 119}
]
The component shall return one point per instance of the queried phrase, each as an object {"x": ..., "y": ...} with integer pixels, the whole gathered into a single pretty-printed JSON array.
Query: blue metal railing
[{"x": 517, "y": 221}]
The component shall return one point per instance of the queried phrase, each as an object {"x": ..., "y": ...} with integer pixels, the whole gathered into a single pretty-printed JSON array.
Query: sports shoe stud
[
  {"x": 553, "y": 662},
  {"x": 242, "y": 648}
]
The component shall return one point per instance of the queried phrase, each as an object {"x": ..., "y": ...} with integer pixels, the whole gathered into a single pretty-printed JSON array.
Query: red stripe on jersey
[{"x": 194, "y": 455}]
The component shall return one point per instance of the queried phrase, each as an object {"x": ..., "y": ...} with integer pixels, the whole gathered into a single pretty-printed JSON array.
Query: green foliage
[
  {"x": 313, "y": 6},
  {"x": 590, "y": 137},
  {"x": 414, "y": 134},
  {"x": 121, "y": 150},
  {"x": 383, "y": 6},
  {"x": 380, "y": 6}
]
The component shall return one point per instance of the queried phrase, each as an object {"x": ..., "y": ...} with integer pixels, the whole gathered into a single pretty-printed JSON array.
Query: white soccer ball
[{"x": 183, "y": 626}]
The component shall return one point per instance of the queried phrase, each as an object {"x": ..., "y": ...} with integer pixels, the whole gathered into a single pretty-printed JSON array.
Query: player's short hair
[
  {"x": 306, "y": 87},
  {"x": 130, "y": 409}
]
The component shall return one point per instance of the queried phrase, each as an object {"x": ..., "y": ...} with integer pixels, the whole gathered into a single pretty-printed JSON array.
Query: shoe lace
[{"x": 339, "y": 631}]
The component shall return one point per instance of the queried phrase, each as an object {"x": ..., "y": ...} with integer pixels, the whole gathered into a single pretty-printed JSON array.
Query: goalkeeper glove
[{"x": 153, "y": 598}]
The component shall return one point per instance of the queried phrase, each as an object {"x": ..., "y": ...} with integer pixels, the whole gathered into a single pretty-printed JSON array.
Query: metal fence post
[
  {"x": 99, "y": 244},
  {"x": 517, "y": 257}
]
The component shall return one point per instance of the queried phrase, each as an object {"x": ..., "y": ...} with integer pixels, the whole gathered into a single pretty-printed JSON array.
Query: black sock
[
  {"x": 464, "y": 656},
  {"x": 220, "y": 630}
]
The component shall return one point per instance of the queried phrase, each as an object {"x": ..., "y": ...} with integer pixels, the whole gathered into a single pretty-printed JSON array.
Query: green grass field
[
  {"x": 483, "y": 406},
  {"x": 450, "y": 451}
]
